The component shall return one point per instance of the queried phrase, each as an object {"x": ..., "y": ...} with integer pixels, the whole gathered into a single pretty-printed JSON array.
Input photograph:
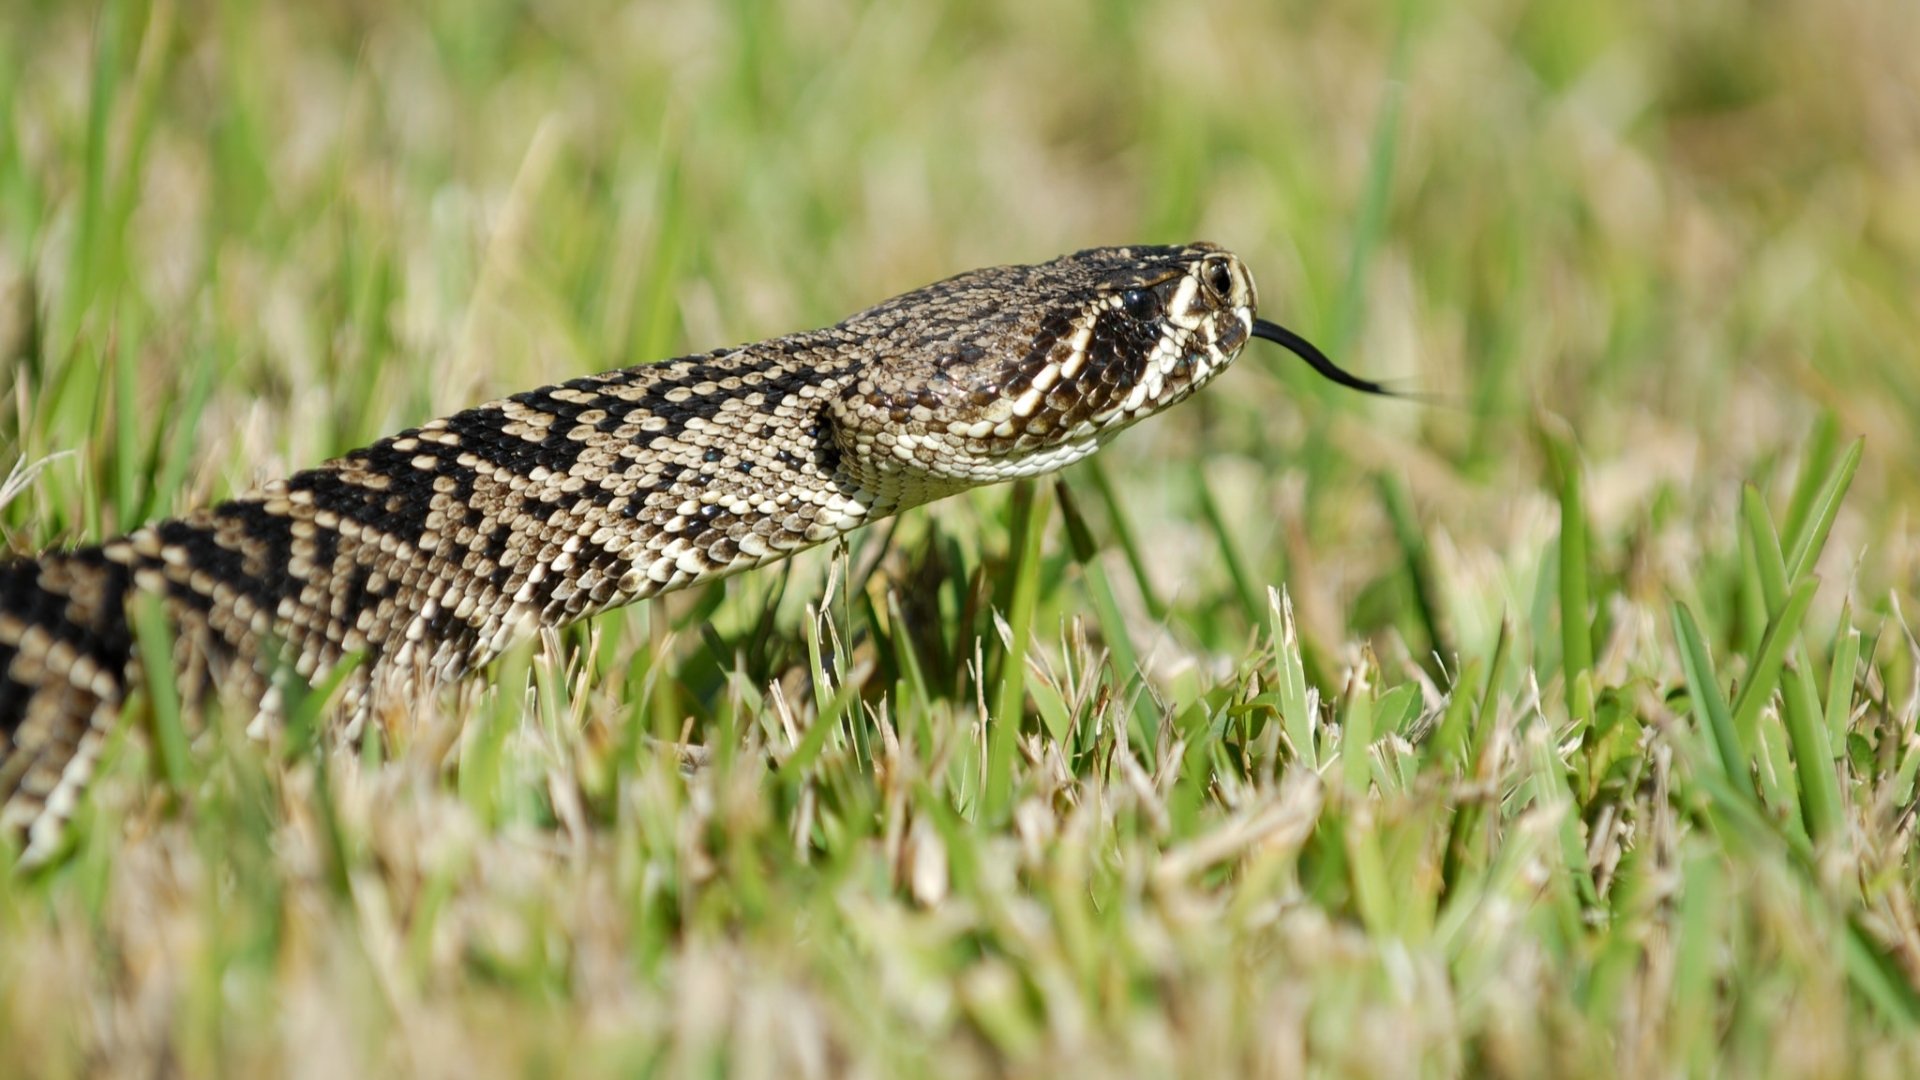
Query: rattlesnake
[{"x": 429, "y": 552}]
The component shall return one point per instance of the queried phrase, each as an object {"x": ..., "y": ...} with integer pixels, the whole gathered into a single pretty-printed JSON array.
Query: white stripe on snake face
[{"x": 1183, "y": 312}]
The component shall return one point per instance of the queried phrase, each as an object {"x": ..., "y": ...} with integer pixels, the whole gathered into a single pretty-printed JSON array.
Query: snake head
[{"x": 1019, "y": 370}]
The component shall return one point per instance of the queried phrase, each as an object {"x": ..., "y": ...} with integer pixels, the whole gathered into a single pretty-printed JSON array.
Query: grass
[{"x": 1569, "y": 724}]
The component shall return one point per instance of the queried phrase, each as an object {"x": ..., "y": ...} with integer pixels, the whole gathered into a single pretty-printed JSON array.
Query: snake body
[{"x": 431, "y": 551}]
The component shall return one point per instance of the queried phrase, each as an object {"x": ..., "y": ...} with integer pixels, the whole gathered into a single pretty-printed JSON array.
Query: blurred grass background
[{"x": 1661, "y": 261}]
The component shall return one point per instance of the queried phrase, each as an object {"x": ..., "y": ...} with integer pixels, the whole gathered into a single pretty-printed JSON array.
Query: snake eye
[
  {"x": 1218, "y": 279},
  {"x": 1142, "y": 304}
]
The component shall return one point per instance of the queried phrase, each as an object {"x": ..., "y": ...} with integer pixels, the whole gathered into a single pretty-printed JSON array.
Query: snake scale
[{"x": 430, "y": 552}]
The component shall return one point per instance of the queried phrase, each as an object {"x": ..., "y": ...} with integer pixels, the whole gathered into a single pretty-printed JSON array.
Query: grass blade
[
  {"x": 1709, "y": 704},
  {"x": 1029, "y": 525},
  {"x": 1299, "y": 703},
  {"x": 1418, "y": 562},
  {"x": 1122, "y": 529},
  {"x": 153, "y": 638},
  {"x": 1846, "y": 662},
  {"x": 1820, "y": 806},
  {"x": 1124, "y": 660},
  {"x": 1768, "y": 561},
  {"x": 1356, "y": 732},
  {"x": 1765, "y": 674},
  {"x": 1576, "y": 595},
  {"x": 1808, "y": 541},
  {"x": 1816, "y": 464},
  {"x": 1237, "y": 572}
]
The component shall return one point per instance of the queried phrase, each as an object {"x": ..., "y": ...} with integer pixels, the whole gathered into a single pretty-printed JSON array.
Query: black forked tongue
[{"x": 1306, "y": 350}]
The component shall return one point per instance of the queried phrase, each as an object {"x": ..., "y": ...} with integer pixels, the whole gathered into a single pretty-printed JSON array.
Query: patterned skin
[{"x": 432, "y": 551}]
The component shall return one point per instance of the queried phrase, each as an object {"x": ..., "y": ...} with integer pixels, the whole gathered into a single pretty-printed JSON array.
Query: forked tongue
[{"x": 1306, "y": 350}]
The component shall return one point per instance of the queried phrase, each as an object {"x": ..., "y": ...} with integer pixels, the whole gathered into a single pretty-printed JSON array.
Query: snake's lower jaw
[
  {"x": 890, "y": 483},
  {"x": 1052, "y": 458}
]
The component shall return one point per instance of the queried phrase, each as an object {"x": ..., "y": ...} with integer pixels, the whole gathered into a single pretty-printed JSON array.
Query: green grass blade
[
  {"x": 153, "y": 639},
  {"x": 1697, "y": 968},
  {"x": 1820, "y": 805},
  {"x": 1356, "y": 733},
  {"x": 1379, "y": 189},
  {"x": 1452, "y": 738},
  {"x": 1125, "y": 660},
  {"x": 1417, "y": 560},
  {"x": 1808, "y": 541},
  {"x": 1549, "y": 791},
  {"x": 1029, "y": 525},
  {"x": 1243, "y": 582},
  {"x": 1123, "y": 532},
  {"x": 1840, "y": 680},
  {"x": 1765, "y": 675},
  {"x": 483, "y": 766},
  {"x": 1576, "y": 594},
  {"x": 1299, "y": 705},
  {"x": 1816, "y": 465},
  {"x": 1709, "y": 703},
  {"x": 1879, "y": 978},
  {"x": 830, "y": 708},
  {"x": 1766, "y": 548},
  {"x": 1372, "y": 890},
  {"x": 1465, "y": 831}
]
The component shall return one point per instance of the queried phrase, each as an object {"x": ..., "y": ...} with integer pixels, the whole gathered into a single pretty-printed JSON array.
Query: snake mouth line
[{"x": 1306, "y": 350}]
